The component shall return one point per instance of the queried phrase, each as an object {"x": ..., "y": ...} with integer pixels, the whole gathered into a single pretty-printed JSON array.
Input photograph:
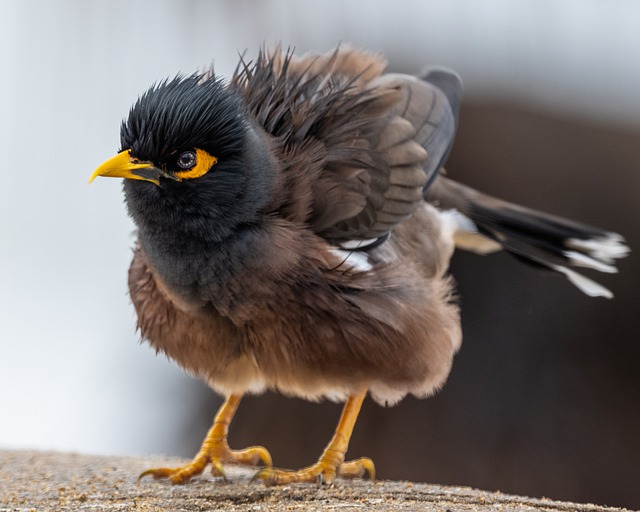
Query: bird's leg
[
  {"x": 215, "y": 450},
  {"x": 331, "y": 462}
]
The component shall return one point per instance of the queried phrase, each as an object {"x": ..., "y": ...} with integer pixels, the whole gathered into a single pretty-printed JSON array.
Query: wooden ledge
[{"x": 32, "y": 480}]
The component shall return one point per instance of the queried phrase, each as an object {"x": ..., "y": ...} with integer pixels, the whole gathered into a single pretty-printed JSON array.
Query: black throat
[{"x": 199, "y": 234}]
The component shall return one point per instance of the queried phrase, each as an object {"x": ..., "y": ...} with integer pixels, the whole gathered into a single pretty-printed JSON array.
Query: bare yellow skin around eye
[{"x": 204, "y": 162}]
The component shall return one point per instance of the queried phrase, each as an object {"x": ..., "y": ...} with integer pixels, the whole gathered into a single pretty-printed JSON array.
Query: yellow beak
[{"x": 124, "y": 166}]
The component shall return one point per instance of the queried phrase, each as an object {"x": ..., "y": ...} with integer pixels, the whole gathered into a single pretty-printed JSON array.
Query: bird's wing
[{"x": 368, "y": 143}]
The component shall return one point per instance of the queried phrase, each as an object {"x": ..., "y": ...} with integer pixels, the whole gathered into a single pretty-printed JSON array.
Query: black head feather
[{"x": 185, "y": 112}]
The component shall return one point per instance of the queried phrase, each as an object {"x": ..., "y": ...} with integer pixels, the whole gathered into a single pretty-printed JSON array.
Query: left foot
[{"x": 331, "y": 462}]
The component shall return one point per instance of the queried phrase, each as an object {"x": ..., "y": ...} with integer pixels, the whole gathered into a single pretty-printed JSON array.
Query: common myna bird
[{"x": 294, "y": 230}]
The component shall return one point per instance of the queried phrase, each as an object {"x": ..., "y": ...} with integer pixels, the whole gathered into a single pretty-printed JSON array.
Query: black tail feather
[{"x": 535, "y": 237}]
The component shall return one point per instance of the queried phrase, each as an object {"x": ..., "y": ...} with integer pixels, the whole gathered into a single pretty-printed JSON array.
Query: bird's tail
[{"x": 488, "y": 224}]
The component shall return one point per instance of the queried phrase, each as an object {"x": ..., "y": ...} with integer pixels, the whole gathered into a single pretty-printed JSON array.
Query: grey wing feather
[
  {"x": 425, "y": 118},
  {"x": 369, "y": 143}
]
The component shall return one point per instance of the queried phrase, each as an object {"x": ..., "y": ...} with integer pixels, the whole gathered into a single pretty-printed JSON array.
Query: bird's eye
[
  {"x": 187, "y": 160},
  {"x": 193, "y": 163}
]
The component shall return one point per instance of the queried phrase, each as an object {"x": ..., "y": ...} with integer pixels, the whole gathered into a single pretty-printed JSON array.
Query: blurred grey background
[{"x": 544, "y": 398}]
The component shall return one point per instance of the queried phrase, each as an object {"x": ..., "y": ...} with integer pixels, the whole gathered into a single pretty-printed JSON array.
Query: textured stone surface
[{"x": 39, "y": 481}]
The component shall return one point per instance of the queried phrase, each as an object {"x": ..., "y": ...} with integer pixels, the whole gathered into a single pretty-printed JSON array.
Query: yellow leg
[
  {"x": 215, "y": 450},
  {"x": 331, "y": 462}
]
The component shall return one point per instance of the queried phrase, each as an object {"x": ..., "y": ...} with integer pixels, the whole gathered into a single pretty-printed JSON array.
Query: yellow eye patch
[{"x": 203, "y": 163}]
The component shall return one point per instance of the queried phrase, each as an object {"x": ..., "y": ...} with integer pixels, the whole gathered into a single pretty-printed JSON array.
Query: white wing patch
[
  {"x": 355, "y": 260},
  {"x": 351, "y": 245}
]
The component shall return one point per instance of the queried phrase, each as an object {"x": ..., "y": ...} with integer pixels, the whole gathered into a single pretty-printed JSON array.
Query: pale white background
[{"x": 72, "y": 374}]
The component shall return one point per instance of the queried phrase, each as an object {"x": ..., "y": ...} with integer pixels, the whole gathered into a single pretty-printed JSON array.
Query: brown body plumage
[
  {"x": 302, "y": 325},
  {"x": 306, "y": 259}
]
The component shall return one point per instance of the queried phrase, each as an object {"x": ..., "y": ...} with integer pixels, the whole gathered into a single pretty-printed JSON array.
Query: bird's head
[{"x": 188, "y": 144}]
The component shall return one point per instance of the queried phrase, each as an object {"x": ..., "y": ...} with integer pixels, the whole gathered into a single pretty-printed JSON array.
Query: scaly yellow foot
[
  {"x": 214, "y": 450},
  {"x": 321, "y": 472},
  {"x": 331, "y": 461}
]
